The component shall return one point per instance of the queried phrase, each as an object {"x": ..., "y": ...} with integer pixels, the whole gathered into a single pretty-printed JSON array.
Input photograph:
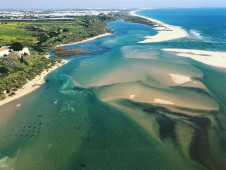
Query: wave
[{"x": 195, "y": 34}]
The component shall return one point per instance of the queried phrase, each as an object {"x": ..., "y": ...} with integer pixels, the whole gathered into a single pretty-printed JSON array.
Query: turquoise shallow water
[{"x": 85, "y": 117}]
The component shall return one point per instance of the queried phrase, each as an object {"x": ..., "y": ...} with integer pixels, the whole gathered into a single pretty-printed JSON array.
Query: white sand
[
  {"x": 4, "y": 163},
  {"x": 161, "y": 101},
  {"x": 165, "y": 32},
  {"x": 132, "y": 96},
  {"x": 32, "y": 85},
  {"x": 179, "y": 79},
  {"x": 83, "y": 41},
  {"x": 212, "y": 58}
]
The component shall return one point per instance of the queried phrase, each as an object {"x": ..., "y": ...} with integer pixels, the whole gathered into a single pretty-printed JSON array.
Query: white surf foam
[{"x": 196, "y": 34}]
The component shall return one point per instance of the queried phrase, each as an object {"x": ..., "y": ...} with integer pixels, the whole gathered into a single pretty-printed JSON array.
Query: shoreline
[
  {"x": 39, "y": 80},
  {"x": 86, "y": 40},
  {"x": 32, "y": 85},
  {"x": 211, "y": 58},
  {"x": 165, "y": 32}
]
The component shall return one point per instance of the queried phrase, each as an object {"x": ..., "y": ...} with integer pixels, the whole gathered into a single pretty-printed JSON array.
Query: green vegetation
[
  {"x": 15, "y": 71},
  {"x": 51, "y": 33},
  {"x": 17, "y": 46},
  {"x": 133, "y": 19}
]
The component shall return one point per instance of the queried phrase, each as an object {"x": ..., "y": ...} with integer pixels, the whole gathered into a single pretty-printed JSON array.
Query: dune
[{"x": 212, "y": 58}]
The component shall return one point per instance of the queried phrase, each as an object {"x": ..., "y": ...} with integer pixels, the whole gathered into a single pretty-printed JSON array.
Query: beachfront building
[{"x": 4, "y": 51}]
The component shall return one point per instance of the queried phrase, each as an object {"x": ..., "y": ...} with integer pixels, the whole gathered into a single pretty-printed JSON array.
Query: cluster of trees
[
  {"x": 14, "y": 72},
  {"x": 17, "y": 46}
]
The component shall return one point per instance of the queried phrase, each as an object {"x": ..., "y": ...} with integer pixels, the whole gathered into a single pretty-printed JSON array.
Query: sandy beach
[
  {"x": 83, "y": 41},
  {"x": 165, "y": 32},
  {"x": 212, "y": 58},
  {"x": 32, "y": 85}
]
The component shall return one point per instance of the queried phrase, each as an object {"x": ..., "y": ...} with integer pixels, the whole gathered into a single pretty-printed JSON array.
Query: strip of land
[
  {"x": 212, "y": 58},
  {"x": 86, "y": 40},
  {"x": 165, "y": 32}
]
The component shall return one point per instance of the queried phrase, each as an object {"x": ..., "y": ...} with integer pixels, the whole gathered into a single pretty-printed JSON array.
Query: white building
[
  {"x": 4, "y": 51},
  {"x": 25, "y": 51}
]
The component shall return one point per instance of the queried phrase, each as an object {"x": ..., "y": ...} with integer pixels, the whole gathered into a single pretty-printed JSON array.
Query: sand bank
[
  {"x": 83, "y": 41},
  {"x": 179, "y": 79},
  {"x": 212, "y": 58},
  {"x": 32, "y": 85},
  {"x": 161, "y": 101},
  {"x": 165, "y": 32}
]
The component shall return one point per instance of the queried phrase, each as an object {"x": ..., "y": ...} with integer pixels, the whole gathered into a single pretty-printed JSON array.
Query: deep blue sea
[
  {"x": 99, "y": 111},
  {"x": 206, "y": 26}
]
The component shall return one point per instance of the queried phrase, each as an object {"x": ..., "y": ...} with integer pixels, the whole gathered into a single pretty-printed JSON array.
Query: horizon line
[{"x": 49, "y": 8}]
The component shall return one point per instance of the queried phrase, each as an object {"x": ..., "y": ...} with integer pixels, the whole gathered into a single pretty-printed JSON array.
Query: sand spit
[
  {"x": 32, "y": 85},
  {"x": 212, "y": 58},
  {"x": 179, "y": 79},
  {"x": 165, "y": 32}
]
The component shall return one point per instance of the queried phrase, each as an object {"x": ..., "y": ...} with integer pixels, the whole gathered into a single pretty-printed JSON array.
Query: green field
[
  {"x": 15, "y": 31},
  {"x": 49, "y": 33}
]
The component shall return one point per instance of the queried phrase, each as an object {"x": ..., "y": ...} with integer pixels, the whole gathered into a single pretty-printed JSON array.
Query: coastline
[
  {"x": 38, "y": 81},
  {"x": 86, "y": 40},
  {"x": 211, "y": 58},
  {"x": 165, "y": 32},
  {"x": 32, "y": 85}
]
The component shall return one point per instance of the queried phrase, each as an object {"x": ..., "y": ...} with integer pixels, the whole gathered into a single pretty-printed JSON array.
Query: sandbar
[
  {"x": 166, "y": 32},
  {"x": 161, "y": 101},
  {"x": 212, "y": 58},
  {"x": 179, "y": 79}
]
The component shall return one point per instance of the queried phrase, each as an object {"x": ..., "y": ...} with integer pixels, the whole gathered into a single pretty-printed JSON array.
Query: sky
[{"x": 73, "y": 4}]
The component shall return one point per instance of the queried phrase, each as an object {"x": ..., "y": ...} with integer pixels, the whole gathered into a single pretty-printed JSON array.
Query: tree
[{"x": 17, "y": 46}]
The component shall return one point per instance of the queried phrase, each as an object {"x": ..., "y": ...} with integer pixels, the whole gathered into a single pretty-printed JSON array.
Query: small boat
[
  {"x": 55, "y": 102},
  {"x": 18, "y": 105}
]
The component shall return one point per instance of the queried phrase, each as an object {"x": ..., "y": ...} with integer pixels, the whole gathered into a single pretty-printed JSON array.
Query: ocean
[
  {"x": 119, "y": 106},
  {"x": 205, "y": 26}
]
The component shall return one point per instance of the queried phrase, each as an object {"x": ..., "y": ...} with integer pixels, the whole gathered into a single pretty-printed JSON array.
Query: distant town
[{"x": 50, "y": 14}]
